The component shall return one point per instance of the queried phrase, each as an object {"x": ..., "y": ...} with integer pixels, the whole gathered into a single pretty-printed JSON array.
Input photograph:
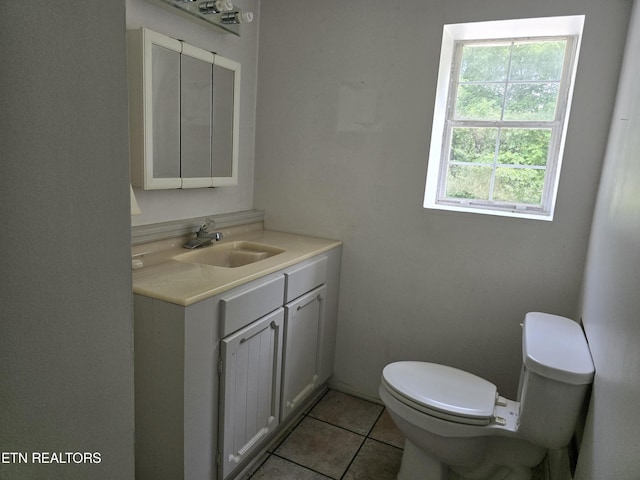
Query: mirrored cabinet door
[
  {"x": 226, "y": 104},
  {"x": 196, "y": 91},
  {"x": 165, "y": 106}
]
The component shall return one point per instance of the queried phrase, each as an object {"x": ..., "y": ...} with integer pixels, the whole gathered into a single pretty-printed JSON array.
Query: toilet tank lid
[{"x": 555, "y": 347}]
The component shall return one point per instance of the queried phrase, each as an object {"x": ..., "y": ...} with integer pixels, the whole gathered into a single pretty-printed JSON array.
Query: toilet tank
[{"x": 556, "y": 374}]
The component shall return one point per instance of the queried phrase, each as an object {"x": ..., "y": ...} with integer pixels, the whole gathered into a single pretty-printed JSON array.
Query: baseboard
[{"x": 349, "y": 390}]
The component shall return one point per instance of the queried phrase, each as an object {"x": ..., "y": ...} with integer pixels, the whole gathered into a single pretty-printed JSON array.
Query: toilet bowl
[{"x": 457, "y": 422}]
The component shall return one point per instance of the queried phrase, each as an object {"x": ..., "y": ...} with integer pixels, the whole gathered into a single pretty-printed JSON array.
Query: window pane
[
  {"x": 519, "y": 185},
  {"x": 479, "y": 102},
  {"x": 537, "y": 61},
  {"x": 531, "y": 101},
  {"x": 524, "y": 146},
  {"x": 482, "y": 63},
  {"x": 473, "y": 145},
  {"x": 471, "y": 182}
]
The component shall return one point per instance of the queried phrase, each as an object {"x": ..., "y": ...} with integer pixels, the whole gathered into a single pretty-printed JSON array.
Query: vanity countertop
[{"x": 187, "y": 283}]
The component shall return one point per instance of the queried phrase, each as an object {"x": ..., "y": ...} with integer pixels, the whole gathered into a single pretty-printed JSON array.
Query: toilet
[{"x": 456, "y": 424}]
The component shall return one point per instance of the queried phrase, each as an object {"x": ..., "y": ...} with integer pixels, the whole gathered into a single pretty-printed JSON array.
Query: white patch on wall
[{"x": 357, "y": 108}]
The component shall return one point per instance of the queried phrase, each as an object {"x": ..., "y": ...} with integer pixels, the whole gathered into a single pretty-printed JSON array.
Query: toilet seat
[{"x": 441, "y": 391}]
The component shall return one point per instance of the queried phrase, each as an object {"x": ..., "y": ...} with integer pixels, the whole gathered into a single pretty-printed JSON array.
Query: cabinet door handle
[
  {"x": 318, "y": 298},
  {"x": 273, "y": 325}
]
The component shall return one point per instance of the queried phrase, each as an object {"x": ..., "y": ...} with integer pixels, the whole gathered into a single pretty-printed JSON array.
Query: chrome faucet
[{"x": 204, "y": 236}]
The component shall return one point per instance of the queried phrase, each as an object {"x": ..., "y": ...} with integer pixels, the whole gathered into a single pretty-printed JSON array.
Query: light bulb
[{"x": 237, "y": 17}]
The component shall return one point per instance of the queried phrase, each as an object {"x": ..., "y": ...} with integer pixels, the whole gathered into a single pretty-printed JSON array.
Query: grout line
[
  {"x": 375, "y": 423},
  {"x": 301, "y": 465},
  {"x": 337, "y": 426},
  {"x": 385, "y": 443},
  {"x": 353, "y": 458},
  {"x": 376, "y": 439}
]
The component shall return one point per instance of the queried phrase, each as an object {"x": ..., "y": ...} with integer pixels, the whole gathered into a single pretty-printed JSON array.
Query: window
[{"x": 502, "y": 106}]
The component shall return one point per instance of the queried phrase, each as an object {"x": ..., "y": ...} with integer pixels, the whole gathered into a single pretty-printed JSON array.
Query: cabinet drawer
[
  {"x": 305, "y": 277},
  {"x": 246, "y": 304}
]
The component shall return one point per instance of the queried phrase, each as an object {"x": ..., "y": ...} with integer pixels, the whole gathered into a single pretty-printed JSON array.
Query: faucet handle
[{"x": 208, "y": 223}]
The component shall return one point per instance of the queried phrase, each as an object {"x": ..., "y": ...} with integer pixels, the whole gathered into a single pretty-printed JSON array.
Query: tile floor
[{"x": 341, "y": 438}]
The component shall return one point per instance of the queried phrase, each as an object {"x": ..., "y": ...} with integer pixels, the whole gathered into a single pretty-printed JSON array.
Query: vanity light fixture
[{"x": 219, "y": 14}]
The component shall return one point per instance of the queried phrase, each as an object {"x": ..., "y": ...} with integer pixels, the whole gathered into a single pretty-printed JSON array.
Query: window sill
[{"x": 495, "y": 211}]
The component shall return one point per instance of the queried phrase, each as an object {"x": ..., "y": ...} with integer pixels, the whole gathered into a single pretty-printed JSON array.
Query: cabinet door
[
  {"x": 162, "y": 104},
  {"x": 210, "y": 96},
  {"x": 166, "y": 107},
  {"x": 226, "y": 121},
  {"x": 303, "y": 320},
  {"x": 196, "y": 89},
  {"x": 249, "y": 388}
]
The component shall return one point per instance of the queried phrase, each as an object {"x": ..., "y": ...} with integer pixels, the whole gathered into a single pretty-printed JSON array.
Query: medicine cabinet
[{"x": 184, "y": 114}]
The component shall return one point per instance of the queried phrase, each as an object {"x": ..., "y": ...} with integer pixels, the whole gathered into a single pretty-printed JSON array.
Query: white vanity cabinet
[
  {"x": 214, "y": 381},
  {"x": 183, "y": 114}
]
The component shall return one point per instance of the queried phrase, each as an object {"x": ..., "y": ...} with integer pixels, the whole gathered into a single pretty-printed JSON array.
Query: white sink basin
[{"x": 229, "y": 255}]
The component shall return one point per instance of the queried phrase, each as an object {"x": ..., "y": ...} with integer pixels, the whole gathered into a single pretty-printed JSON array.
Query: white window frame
[{"x": 521, "y": 29}]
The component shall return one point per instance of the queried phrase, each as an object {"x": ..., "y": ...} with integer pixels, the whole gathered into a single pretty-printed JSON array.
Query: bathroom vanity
[{"x": 225, "y": 355}]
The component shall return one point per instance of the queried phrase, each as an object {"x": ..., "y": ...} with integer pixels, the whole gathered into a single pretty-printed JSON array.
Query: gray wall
[
  {"x": 611, "y": 302},
  {"x": 66, "y": 369},
  {"x": 418, "y": 284}
]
